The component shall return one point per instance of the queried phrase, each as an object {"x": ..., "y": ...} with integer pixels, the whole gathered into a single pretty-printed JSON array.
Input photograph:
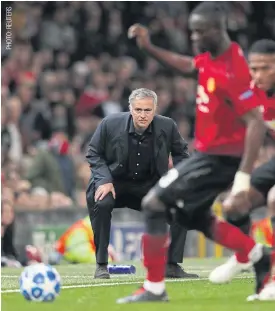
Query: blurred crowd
[{"x": 71, "y": 64}]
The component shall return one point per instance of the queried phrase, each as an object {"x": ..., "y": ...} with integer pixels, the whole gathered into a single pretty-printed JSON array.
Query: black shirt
[{"x": 140, "y": 156}]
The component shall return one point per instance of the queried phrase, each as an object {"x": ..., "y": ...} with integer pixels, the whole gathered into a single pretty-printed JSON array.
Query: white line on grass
[
  {"x": 6, "y": 291},
  {"x": 91, "y": 275}
]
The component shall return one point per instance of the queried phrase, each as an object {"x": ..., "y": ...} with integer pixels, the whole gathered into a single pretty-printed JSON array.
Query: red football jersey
[
  {"x": 267, "y": 108},
  {"x": 223, "y": 96}
]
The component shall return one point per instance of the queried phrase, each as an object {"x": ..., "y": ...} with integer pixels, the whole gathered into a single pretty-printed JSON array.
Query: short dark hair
[
  {"x": 215, "y": 12},
  {"x": 263, "y": 46}
]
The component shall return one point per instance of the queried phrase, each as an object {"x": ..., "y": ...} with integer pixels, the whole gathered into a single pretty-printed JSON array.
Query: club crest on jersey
[
  {"x": 245, "y": 95},
  {"x": 211, "y": 85}
]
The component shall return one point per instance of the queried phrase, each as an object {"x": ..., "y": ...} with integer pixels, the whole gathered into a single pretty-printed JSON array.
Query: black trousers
[{"x": 128, "y": 194}]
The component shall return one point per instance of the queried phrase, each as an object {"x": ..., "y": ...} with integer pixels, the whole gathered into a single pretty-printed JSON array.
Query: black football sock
[
  {"x": 242, "y": 222},
  {"x": 155, "y": 223}
]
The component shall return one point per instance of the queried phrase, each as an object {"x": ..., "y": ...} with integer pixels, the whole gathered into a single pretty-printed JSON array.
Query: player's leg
[
  {"x": 192, "y": 187},
  {"x": 271, "y": 209},
  {"x": 239, "y": 262},
  {"x": 229, "y": 236},
  {"x": 268, "y": 292},
  {"x": 241, "y": 217},
  {"x": 198, "y": 188},
  {"x": 177, "y": 232},
  {"x": 262, "y": 258},
  {"x": 155, "y": 240},
  {"x": 262, "y": 180},
  {"x": 181, "y": 185}
]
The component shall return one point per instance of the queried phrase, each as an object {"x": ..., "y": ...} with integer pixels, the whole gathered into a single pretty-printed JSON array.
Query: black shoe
[
  {"x": 175, "y": 271},
  {"x": 101, "y": 272},
  {"x": 142, "y": 295},
  {"x": 263, "y": 269}
]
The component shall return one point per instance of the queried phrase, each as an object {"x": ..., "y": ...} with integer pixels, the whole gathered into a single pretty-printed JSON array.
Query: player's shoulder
[
  {"x": 237, "y": 56},
  {"x": 237, "y": 51},
  {"x": 259, "y": 93},
  {"x": 238, "y": 64},
  {"x": 200, "y": 59},
  {"x": 256, "y": 90}
]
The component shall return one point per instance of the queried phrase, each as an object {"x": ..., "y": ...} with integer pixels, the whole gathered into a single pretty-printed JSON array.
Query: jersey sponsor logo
[
  {"x": 245, "y": 95},
  {"x": 202, "y": 97},
  {"x": 211, "y": 85},
  {"x": 203, "y": 109}
]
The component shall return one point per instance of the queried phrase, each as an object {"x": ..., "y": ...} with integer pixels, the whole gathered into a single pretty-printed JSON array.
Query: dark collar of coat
[
  {"x": 156, "y": 128},
  {"x": 132, "y": 130}
]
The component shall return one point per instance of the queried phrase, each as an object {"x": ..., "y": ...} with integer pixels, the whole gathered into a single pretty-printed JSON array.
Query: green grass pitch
[{"x": 81, "y": 292}]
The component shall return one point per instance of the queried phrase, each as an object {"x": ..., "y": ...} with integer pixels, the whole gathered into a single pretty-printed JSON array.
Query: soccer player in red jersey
[
  {"x": 262, "y": 191},
  {"x": 229, "y": 133}
]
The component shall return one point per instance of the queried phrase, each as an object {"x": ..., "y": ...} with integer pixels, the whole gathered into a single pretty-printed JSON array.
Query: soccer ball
[{"x": 40, "y": 282}]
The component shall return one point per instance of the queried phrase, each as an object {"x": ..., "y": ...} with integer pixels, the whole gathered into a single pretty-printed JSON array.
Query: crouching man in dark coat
[{"x": 128, "y": 154}]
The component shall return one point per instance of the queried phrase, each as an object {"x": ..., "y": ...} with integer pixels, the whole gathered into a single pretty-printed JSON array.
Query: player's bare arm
[
  {"x": 183, "y": 64},
  {"x": 255, "y": 134}
]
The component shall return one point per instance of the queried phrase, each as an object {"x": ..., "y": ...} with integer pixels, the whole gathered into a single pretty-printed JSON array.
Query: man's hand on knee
[{"x": 103, "y": 190}]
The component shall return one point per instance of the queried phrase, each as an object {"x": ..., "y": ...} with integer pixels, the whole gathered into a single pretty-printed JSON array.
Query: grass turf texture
[{"x": 81, "y": 292}]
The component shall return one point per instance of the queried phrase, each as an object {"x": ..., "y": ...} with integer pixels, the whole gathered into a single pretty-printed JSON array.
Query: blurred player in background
[
  {"x": 262, "y": 191},
  {"x": 75, "y": 245},
  {"x": 228, "y": 136}
]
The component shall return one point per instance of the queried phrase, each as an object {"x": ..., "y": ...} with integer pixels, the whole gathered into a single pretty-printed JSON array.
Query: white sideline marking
[
  {"x": 62, "y": 276},
  {"x": 120, "y": 283},
  {"x": 91, "y": 275}
]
